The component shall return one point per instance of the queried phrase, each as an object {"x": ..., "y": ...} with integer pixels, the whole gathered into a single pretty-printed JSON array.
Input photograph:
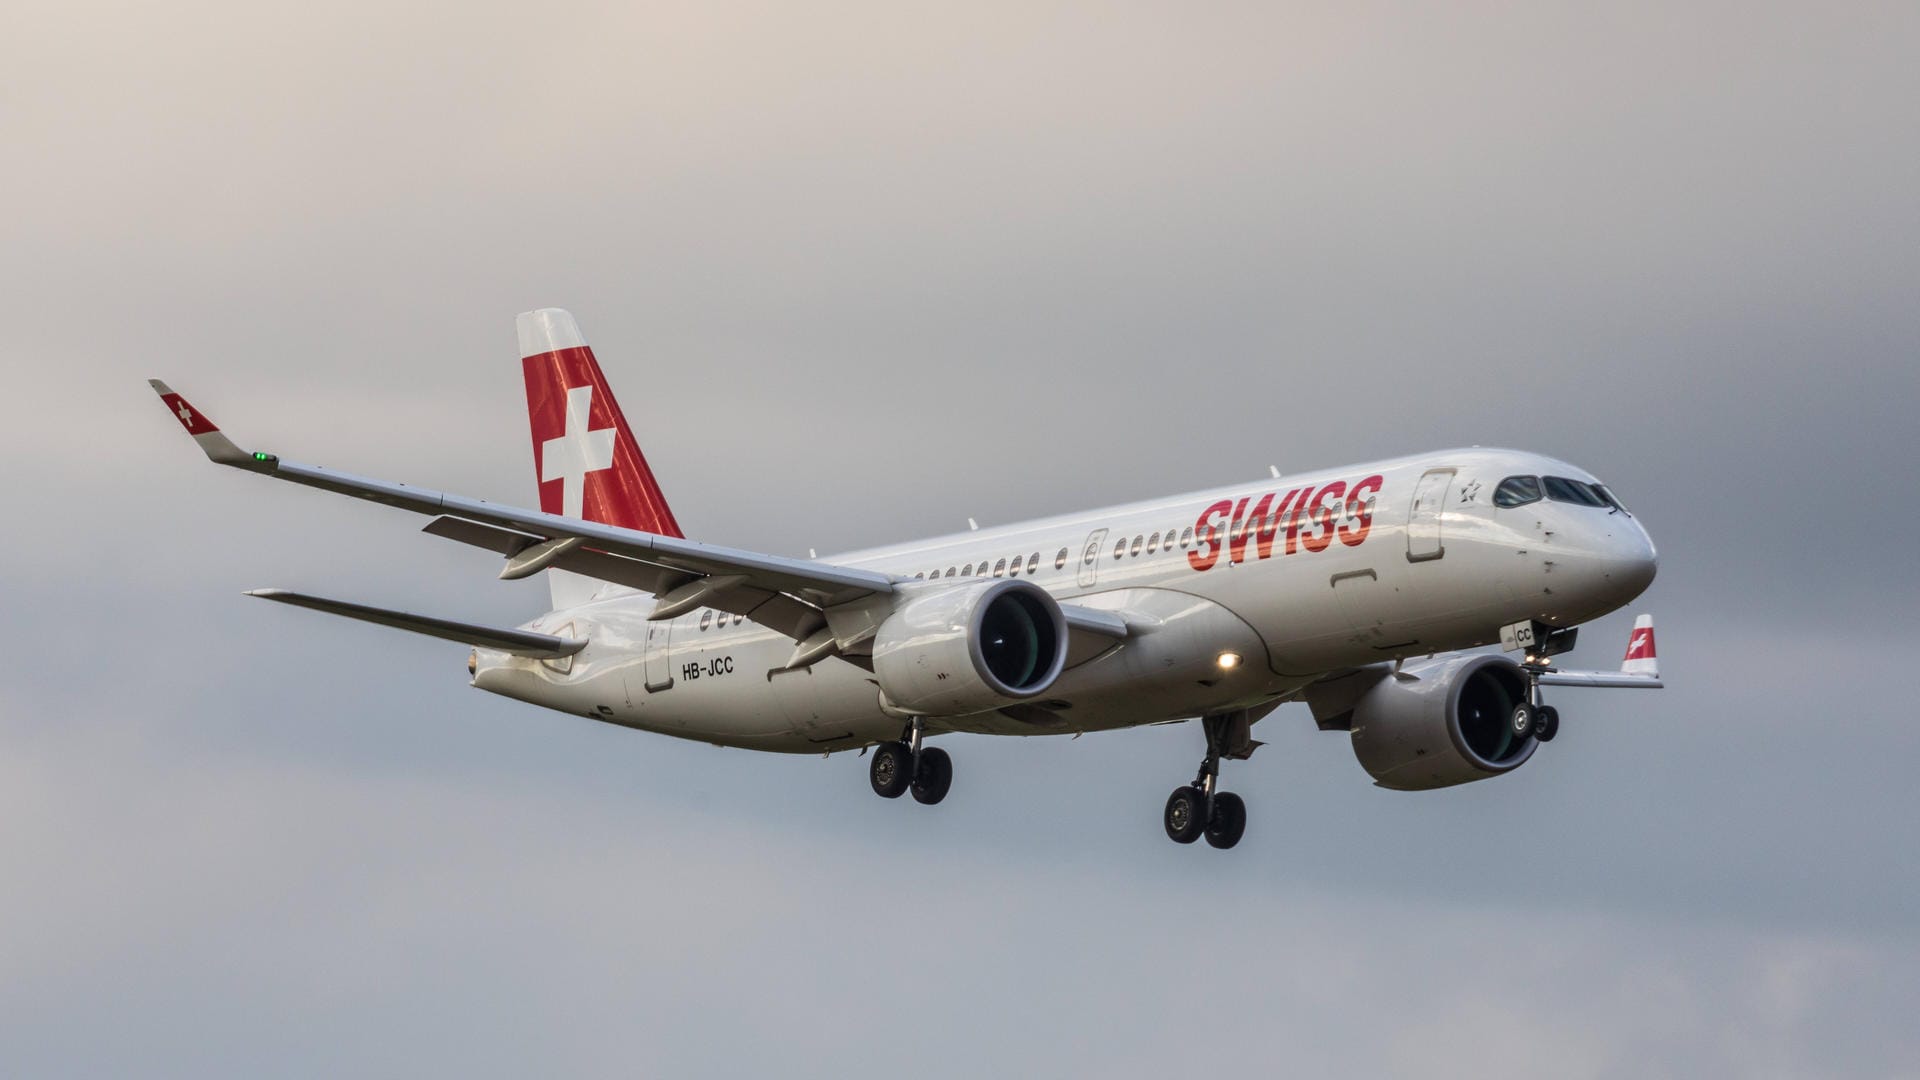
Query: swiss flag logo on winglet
[
  {"x": 188, "y": 416},
  {"x": 1640, "y": 645},
  {"x": 584, "y": 455}
]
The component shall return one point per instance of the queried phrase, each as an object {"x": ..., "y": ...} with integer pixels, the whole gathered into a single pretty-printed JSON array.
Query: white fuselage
[{"x": 1390, "y": 559}]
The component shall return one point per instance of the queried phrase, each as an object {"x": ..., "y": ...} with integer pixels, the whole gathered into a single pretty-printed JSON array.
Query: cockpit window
[
  {"x": 1517, "y": 491},
  {"x": 1561, "y": 489},
  {"x": 1611, "y": 501}
]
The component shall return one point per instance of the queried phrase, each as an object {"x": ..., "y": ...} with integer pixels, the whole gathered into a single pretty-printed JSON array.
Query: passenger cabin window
[
  {"x": 967, "y": 570},
  {"x": 1120, "y": 548},
  {"x": 1013, "y": 567},
  {"x": 1561, "y": 489},
  {"x": 950, "y": 571},
  {"x": 1060, "y": 560},
  {"x": 1517, "y": 491},
  {"x": 1138, "y": 543},
  {"x": 999, "y": 568},
  {"x": 1033, "y": 563},
  {"x": 706, "y": 618},
  {"x": 1186, "y": 536},
  {"x": 1153, "y": 543}
]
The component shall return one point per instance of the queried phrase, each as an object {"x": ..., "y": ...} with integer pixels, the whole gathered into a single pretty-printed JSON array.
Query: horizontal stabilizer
[{"x": 518, "y": 642}]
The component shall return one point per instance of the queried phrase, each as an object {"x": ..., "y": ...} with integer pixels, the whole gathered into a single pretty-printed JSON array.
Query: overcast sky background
[{"x": 858, "y": 272}]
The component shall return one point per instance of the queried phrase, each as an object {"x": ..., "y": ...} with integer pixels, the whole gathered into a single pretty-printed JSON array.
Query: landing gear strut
[
  {"x": 1200, "y": 808},
  {"x": 1532, "y": 716},
  {"x": 1542, "y": 643},
  {"x": 905, "y": 765}
]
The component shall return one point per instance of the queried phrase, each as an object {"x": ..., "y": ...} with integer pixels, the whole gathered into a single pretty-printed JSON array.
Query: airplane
[{"x": 1357, "y": 590}]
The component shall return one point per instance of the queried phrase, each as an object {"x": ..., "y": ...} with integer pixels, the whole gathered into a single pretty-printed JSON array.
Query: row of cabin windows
[
  {"x": 1031, "y": 564},
  {"x": 1004, "y": 568},
  {"x": 1014, "y": 566},
  {"x": 1151, "y": 544}
]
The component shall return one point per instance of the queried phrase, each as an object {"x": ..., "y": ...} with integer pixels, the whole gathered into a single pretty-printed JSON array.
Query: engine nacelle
[
  {"x": 1438, "y": 724},
  {"x": 970, "y": 648}
]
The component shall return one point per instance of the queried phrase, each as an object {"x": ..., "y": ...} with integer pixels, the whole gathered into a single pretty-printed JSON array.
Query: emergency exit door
[{"x": 659, "y": 666}]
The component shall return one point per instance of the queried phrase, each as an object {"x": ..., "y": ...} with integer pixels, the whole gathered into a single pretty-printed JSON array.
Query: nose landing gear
[
  {"x": 905, "y": 765},
  {"x": 1532, "y": 716},
  {"x": 1200, "y": 808},
  {"x": 1546, "y": 723}
]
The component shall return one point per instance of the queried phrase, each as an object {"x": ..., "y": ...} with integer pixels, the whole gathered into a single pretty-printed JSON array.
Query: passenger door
[{"x": 1423, "y": 519}]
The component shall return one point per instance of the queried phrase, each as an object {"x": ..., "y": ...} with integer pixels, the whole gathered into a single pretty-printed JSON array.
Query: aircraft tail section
[{"x": 585, "y": 458}]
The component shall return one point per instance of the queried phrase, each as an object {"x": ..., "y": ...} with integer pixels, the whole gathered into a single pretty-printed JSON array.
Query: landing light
[{"x": 1229, "y": 660}]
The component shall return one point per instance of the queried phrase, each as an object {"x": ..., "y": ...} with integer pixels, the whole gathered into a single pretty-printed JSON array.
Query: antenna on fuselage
[
  {"x": 1275, "y": 470},
  {"x": 972, "y": 525}
]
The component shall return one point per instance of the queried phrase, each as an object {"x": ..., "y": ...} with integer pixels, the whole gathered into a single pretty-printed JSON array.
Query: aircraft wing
[
  {"x": 782, "y": 593},
  {"x": 1640, "y": 670},
  {"x": 1611, "y": 679}
]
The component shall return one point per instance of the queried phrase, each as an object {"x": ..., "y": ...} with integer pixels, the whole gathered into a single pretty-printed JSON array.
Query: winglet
[
  {"x": 217, "y": 446},
  {"x": 1640, "y": 651}
]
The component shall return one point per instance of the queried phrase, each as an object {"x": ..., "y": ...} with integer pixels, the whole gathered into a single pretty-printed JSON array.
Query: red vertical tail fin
[{"x": 585, "y": 457}]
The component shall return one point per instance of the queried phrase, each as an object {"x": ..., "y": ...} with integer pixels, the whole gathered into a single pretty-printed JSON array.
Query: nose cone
[
  {"x": 1635, "y": 562},
  {"x": 1600, "y": 566}
]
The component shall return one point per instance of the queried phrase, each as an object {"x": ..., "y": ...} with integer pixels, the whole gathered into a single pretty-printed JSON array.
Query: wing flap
[
  {"x": 518, "y": 642},
  {"x": 774, "y": 610}
]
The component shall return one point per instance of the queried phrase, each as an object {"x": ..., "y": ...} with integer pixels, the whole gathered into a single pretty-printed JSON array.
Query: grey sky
[{"x": 858, "y": 272}]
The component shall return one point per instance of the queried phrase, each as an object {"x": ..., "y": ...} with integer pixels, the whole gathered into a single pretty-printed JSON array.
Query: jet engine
[
  {"x": 970, "y": 648},
  {"x": 1430, "y": 725}
]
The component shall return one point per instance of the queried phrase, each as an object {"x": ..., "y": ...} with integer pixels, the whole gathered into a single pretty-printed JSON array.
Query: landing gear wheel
[
  {"x": 1229, "y": 820},
  {"x": 892, "y": 770},
  {"x": 1521, "y": 721},
  {"x": 1546, "y": 724},
  {"x": 1186, "y": 816},
  {"x": 935, "y": 776}
]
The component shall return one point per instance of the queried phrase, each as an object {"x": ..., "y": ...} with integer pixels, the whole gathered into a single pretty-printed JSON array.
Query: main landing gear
[
  {"x": 1201, "y": 808},
  {"x": 899, "y": 767}
]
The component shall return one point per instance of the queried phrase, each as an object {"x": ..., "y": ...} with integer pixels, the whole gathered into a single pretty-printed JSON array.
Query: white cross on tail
[{"x": 576, "y": 452}]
